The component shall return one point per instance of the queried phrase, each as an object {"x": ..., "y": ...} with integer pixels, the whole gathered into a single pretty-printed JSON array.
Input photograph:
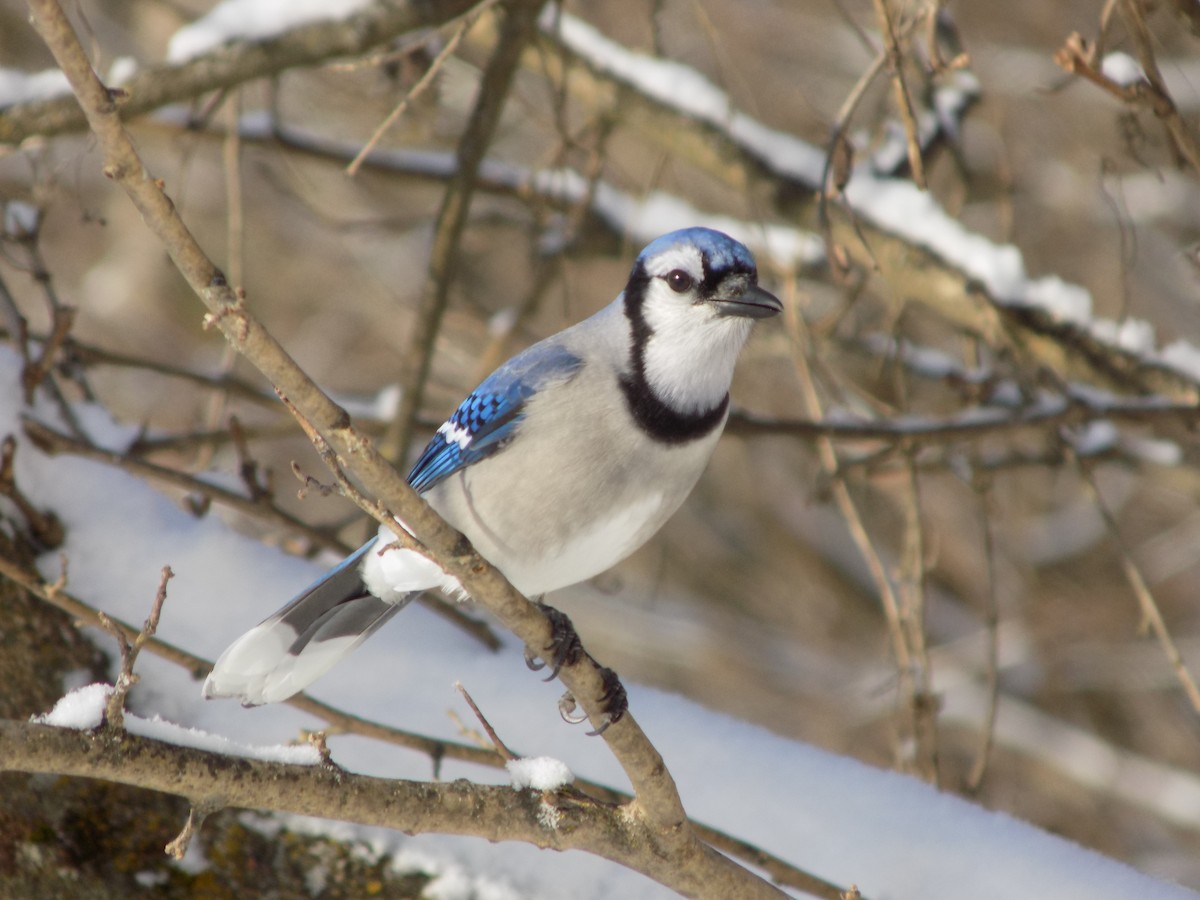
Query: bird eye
[{"x": 679, "y": 280}]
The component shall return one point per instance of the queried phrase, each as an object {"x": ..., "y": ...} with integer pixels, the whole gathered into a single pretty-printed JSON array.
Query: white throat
[{"x": 690, "y": 357}]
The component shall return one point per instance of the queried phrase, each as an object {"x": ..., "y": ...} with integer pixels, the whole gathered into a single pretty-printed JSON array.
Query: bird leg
[{"x": 564, "y": 649}]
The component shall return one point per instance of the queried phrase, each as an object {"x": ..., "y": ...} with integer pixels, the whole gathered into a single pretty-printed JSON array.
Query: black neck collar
[{"x": 653, "y": 415}]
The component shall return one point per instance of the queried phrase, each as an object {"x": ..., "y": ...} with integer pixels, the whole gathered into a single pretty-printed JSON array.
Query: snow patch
[
  {"x": 1122, "y": 68},
  {"x": 83, "y": 709},
  {"x": 253, "y": 20},
  {"x": 538, "y": 773}
]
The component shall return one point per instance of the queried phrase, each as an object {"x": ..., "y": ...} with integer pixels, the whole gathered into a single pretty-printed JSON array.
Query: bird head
[{"x": 691, "y": 300}]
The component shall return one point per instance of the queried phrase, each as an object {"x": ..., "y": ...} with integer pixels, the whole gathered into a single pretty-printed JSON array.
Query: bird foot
[
  {"x": 614, "y": 703},
  {"x": 564, "y": 649}
]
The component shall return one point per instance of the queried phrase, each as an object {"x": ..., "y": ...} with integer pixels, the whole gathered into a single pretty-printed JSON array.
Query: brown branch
[
  {"x": 911, "y": 591},
  {"x": 458, "y": 807},
  {"x": 972, "y": 423},
  {"x": 991, "y": 617},
  {"x": 91, "y": 355},
  {"x": 694, "y": 866},
  {"x": 212, "y": 781},
  {"x": 828, "y": 456},
  {"x": 62, "y": 318}
]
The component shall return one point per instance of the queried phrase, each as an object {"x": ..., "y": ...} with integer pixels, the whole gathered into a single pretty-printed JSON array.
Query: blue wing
[{"x": 488, "y": 419}]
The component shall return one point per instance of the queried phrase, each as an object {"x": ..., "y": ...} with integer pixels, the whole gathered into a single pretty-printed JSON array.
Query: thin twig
[
  {"x": 1149, "y": 92},
  {"x": 1183, "y": 138},
  {"x": 501, "y": 748},
  {"x": 827, "y": 454},
  {"x": 426, "y": 79},
  {"x": 226, "y": 382},
  {"x": 197, "y": 813},
  {"x": 50, "y": 441},
  {"x": 345, "y": 486},
  {"x": 231, "y": 157},
  {"x": 903, "y": 101},
  {"x": 991, "y": 618},
  {"x": 1151, "y": 614},
  {"x": 339, "y": 720},
  {"x": 911, "y": 593},
  {"x": 114, "y": 714},
  {"x": 44, "y": 527},
  {"x": 1072, "y": 409}
]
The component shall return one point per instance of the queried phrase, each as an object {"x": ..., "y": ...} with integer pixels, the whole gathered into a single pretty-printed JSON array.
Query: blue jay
[{"x": 560, "y": 464}]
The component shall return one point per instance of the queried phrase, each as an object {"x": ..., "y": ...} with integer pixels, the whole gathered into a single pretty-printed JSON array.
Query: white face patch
[{"x": 690, "y": 357}]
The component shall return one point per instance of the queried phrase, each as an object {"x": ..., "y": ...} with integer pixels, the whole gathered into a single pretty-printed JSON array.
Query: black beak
[{"x": 755, "y": 303}]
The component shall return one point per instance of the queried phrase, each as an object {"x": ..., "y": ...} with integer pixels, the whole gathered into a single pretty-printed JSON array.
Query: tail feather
[{"x": 286, "y": 652}]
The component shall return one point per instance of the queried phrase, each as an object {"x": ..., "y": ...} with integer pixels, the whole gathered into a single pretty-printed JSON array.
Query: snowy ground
[{"x": 891, "y": 835}]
